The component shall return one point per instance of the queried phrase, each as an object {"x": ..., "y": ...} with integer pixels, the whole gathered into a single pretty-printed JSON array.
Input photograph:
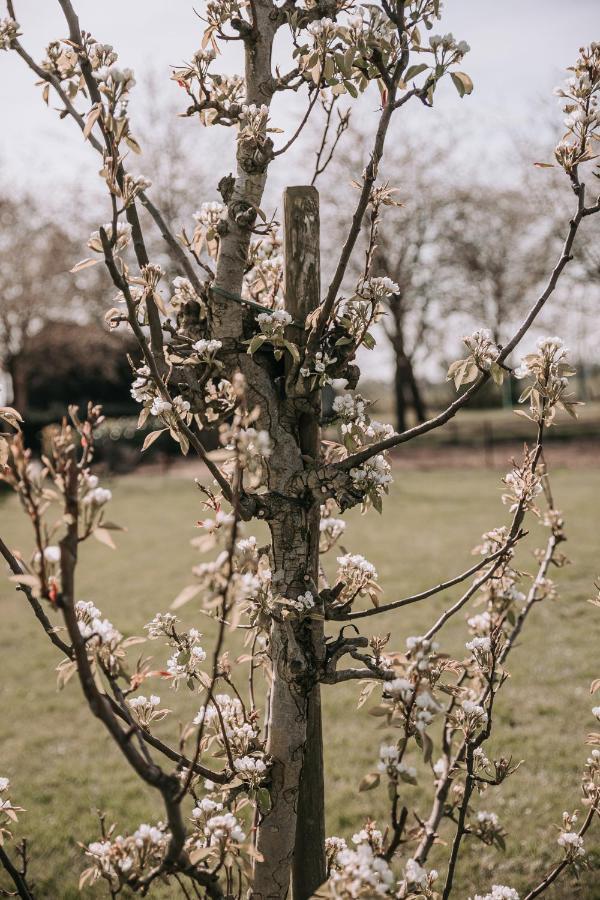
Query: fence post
[{"x": 302, "y": 295}]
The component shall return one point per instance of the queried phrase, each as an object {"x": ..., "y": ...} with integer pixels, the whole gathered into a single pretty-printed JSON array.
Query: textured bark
[
  {"x": 251, "y": 175},
  {"x": 407, "y": 394},
  {"x": 294, "y": 528}
]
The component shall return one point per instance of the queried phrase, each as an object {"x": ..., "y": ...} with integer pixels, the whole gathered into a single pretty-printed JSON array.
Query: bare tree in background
[
  {"x": 495, "y": 251},
  {"x": 408, "y": 249},
  {"x": 36, "y": 287}
]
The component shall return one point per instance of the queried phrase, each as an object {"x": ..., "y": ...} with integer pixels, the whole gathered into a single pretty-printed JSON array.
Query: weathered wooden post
[{"x": 302, "y": 289}]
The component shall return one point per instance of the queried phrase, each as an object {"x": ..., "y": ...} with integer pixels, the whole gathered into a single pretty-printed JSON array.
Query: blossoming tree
[{"x": 244, "y": 341}]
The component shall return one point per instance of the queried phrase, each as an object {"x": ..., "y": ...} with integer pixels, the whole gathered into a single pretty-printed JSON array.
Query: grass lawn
[{"x": 63, "y": 767}]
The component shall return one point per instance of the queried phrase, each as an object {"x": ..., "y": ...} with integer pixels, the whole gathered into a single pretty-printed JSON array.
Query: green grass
[{"x": 63, "y": 766}]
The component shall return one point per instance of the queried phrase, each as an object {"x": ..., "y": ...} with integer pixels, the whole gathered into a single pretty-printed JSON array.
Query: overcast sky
[{"x": 520, "y": 49}]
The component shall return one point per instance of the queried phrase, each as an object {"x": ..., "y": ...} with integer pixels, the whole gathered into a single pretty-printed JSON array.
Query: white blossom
[
  {"x": 498, "y": 892},
  {"x": 98, "y": 497},
  {"x": 572, "y": 843}
]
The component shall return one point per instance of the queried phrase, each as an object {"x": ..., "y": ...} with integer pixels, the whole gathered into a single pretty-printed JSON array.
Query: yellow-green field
[{"x": 63, "y": 767}]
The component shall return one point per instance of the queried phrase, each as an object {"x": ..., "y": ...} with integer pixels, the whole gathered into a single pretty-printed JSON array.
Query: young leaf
[
  {"x": 369, "y": 782},
  {"x": 150, "y": 438}
]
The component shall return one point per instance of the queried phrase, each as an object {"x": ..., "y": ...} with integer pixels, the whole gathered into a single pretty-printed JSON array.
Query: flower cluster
[
  {"x": 103, "y": 641},
  {"x": 418, "y": 881},
  {"x": 251, "y": 445},
  {"x": 264, "y": 280},
  {"x": 9, "y": 31},
  {"x": 216, "y": 98},
  {"x": 145, "y": 710},
  {"x": 206, "y": 350},
  {"x": 421, "y": 652},
  {"x": 8, "y": 811},
  {"x": 488, "y": 829},
  {"x": 551, "y": 373},
  {"x": 331, "y": 529},
  {"x": 580, "y": 102},
  {"x": 410, "y": 704},
  {"x": 345, "y": 55},
  {"x": 185, "y": 663},
  {"x": 184, "y": 296},
  {"x": 523, "y": 486},
  {"x": 482, "y": 358},
  {"x": 354, "y": 318},
  {"x": 481, "y": 648},
  {"x": 572, "y": 844},
  {"x": 356, "y": 426},
  {"x": 218, "y": 834},
  {"x": 358, "y": 578},
  {"x": 391, "y": 765},
  {"x": 121, "y": 238},
  {"x": 372, "y": 478},
  {"x": 206, "y": 232},
  {"x": 114, "y": 81},
  {"x": 498, "y": 892},
  {"x": 303, "y": 604},
  {"x": 315, "y": 368},
  {"x": 225, "y": 720},
  {"x": 124, "y": 859},
  {"x": 250, "y": 769},
  {"x": 272, "y": 327},
  {"x": 377, "y": 289},
  {"x": 132, "y": 186},
  {"x": 254, "y": 126},
  {"x": 223, "y": 830},
  {"x": 274, "y": 324},
  {"x": 220, "y": 398},
  {"x": 359, "y": 873},
  {"x": 471, "y": 717}
]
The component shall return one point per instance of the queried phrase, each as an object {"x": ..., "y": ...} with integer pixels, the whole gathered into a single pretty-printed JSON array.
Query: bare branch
[{"x": 414, "y": 598}]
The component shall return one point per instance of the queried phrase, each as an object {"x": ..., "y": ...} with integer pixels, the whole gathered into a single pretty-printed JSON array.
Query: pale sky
[{"x": 520, "y": 49}]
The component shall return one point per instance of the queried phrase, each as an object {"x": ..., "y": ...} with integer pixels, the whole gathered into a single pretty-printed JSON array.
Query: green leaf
[
  {"x": 256, "y": 343},
  {"x": 413, "y": 71},
  {"x": 497, "y": 373},
  {"x": 293, "y": 351},
  {"x": 263, "y": 798},
  {"x": 368, "y": 341}
]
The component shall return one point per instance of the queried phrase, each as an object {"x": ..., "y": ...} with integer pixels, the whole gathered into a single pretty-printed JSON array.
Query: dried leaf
[
  {"x": 150, "y": 438},
  {"x": 104, "y": 536},
  {"x": 85, "y": 264},
  {"x": 184, "y": 596},
  {"x": 369, "y": 782}
]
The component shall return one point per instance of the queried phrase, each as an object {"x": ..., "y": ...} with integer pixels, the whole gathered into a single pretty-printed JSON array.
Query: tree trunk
[
  {"x": 418, "y": 402},
  {"x": 399, "y": 398},
  {"x": 407, "y": 394}
]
